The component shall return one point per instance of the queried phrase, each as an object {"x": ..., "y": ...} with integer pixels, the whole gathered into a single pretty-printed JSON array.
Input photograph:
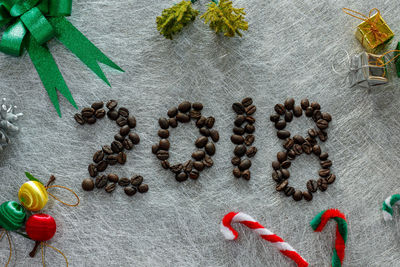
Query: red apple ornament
[{"x": 40, "y": 227}]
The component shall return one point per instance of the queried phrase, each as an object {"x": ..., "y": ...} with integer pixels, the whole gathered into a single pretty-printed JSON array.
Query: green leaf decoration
[
  {"x": 22, "y": 234},
  {"x": 173, "y": 19},
  {"x": 223, "y": 17},
  {"x": 31, "y": 178}
]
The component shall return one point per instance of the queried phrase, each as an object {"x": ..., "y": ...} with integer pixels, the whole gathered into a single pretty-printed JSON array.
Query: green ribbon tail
[
  {"x": 49, "y": 73},
  {"x": 78, "y": 44}
]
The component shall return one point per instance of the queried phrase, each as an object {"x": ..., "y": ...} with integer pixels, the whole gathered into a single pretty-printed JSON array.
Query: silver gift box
[{"x": 365, "y": 72}]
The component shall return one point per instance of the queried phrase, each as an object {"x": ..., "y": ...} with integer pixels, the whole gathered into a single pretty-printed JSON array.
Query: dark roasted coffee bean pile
[
  {"x": 243, "y": 137},
  {"x": 201, "y": 158},
  {"x": 114, "y": 153},
  {"x": 297, "y": 145}
]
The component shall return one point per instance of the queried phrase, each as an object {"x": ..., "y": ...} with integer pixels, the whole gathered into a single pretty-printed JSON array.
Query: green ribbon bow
[{"x": 32, "y": 23}]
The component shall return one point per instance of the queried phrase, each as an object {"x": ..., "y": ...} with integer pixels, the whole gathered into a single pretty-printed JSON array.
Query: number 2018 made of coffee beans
[
  {"x": 114, "y": 153},
  {"x": 297, "y": 145}
]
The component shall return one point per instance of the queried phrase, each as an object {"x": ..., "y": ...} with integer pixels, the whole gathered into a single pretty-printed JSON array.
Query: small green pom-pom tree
[
  {"x": 173, "y": 19},
  {"x": 223, "y": 17}
]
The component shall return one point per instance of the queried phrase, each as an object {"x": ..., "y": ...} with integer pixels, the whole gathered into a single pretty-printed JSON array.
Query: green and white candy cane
[{"x": 387, "y": 206}]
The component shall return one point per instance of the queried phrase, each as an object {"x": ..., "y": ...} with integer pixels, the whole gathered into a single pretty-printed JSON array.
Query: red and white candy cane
[{"x": 239, "y": 217}]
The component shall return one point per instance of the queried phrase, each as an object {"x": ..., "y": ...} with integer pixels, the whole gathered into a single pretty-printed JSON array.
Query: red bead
[{"x": 40, "y": 227}]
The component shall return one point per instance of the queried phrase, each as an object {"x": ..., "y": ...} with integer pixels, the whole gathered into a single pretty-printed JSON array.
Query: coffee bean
[
  {"x": 204, "y": 131},
  {"x": 194, "y": 174},
  {"x": 208, "y": 162},
  {"x": 317, "y": 115},
  {"x": 87, "y": 184},
  {"x": 280, "y": 125},
  {"x": 247, "y": 101},
  {"x": 237, "y": 173},
  {"x": 173, "y": 122},
  {"x": 91, "y": 120},
  {"x": 124, "y": 130},
  {"x": 322, "y": 184},
  {"x": 274, "y": 117},
  {"x": 116, "y": 146},
  {"x": 311, "y": 141},
  {"x": 291, "y": 154},
  {"x": 249, "y": 140},
  {"x": 316, "y": 150},
  {"x": 112, "y": 114},
  {"x": 276, "y": 165},
  {"x": 101, "y": 181},
  {"x": 288, "y": 116},
  {"x": 297, "y": 111},
  {"x": 322, "y": 124},
  {"x": 312, "y": 186},
  {"x": 112, "y": 159},
  {"x": 237, "y": 139},
  {"x": 177, "y": 168},
  {"x": 110, "y": 188},
  {"x": 331, "y": 178},
  {"x": 285, "y": 174},
  {"x": 201, "y": 141},
  {"x": 97, "y": 105},
  {"x": 79, "y": 119},
  {"x": 286, "y": 164},
  {"x": 281, "y": 156},
  {"x": 98, "y": 156},
  {"x": 312, "y": 133},
  {"x": 298, "y": 150},
  {"x": 164, "y": 144},
  {"x": 143, "y": 188},
  {"x": 119, "y": 137},
  {"x": 100, "y": 113},
  {"x": 107, "y": 150},
  {"x": 197, "y": 106},
  {"x": 210, "y": 122},
  {"x": 307, "y": 196},
  {"x": 323, "y": 136},
  {"x": 283, "y": 134},
  {"x": 124, "y": 112},
  {"x": 136, "y": 180},
  {"x": 324, "y": 156},
  {"x": 326, "y": 164},
  {"x": 289, "y": 191},
  {"x": 214, "y": 135},
  {"x": 288, "y": 144},
  {"x": 188, "y": 166},
  {"x": 165, "y": 164},
  {"x": 309, "y": 112},
  {"x": 162, "y": 155},
  {"x": 298, "y": 195},
  {"x": 240, "y": 119},
  {"x": 250, "y": 119},
  {"x": 298, "y": 139},
  {"x": 182, "y": 117},
  {"x": 210, "y": 148},
  {"x": 326, "y": 116},
  {"x": 277, "y": 176},
  {"x": 315, "y": 106},
  {"x": 87, "y": 112},
  {"x": 201, "y": 122},
  {"x": 130, "y": 191},
  {"x": 154, "y": 148},
  {"x": 163, "y": 122},
  {"x": 289, "y": 103},
  {"x": 238, "y": 130},
  {"x": 180, "y": 177},
  {"x": 124, "y": 181},
  {"x": 282, "y": 186},
  {"x": 184, "y": 106},
  {"x": 113, "y": 178},
  {"x": 111, "y": 104},
  {"x": 198, "y": 165},
  {"x": 134, "y": 138},
  {"x": 280, "y": 109},
  {"x": 245, "y": 164},
  {"x": 194, "y": 114},
  {"x": 131, "y": 122},
  {"x": 238, "y": 108},
  {"x": 121, "y": 158},
  {"x": 92, "y": 170},
  {"x": 307, "y": 148},
  {"x": 249, "y": 128},
  {"x": 246, "y": 174},
  {"x": 172, "y": 112},
  {"x": 163, "y": 133},
  {"x": 198, "y": 155},
  {"x": 250, "y": 110},
  {"x": 251, "y": 152},
  {"x": 304, "y": 103},
  {"x": 102, "y": 166},
  {"x": 235, "y": 161}
]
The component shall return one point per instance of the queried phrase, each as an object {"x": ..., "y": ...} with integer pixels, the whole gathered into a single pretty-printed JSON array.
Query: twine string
[
  {"x": 66, "y": 188},
  {"x": 9, "y": 244},
  {"x": 42, "y": 244}
]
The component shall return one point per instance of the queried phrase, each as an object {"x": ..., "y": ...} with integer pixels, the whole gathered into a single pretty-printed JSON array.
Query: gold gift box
[{"x": 374, "y": 33}]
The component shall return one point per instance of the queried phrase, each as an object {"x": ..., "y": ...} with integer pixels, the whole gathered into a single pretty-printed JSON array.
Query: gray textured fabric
[{"x": 288, "y": 51}]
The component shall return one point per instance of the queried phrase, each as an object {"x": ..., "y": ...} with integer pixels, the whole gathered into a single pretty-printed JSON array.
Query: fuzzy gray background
[{"x": 288, "y": 52}]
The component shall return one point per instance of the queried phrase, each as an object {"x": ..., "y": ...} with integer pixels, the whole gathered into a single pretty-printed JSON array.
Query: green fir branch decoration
[
  {"x": 173, "y": 19},
  {"x": 223, "y": 17}
]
